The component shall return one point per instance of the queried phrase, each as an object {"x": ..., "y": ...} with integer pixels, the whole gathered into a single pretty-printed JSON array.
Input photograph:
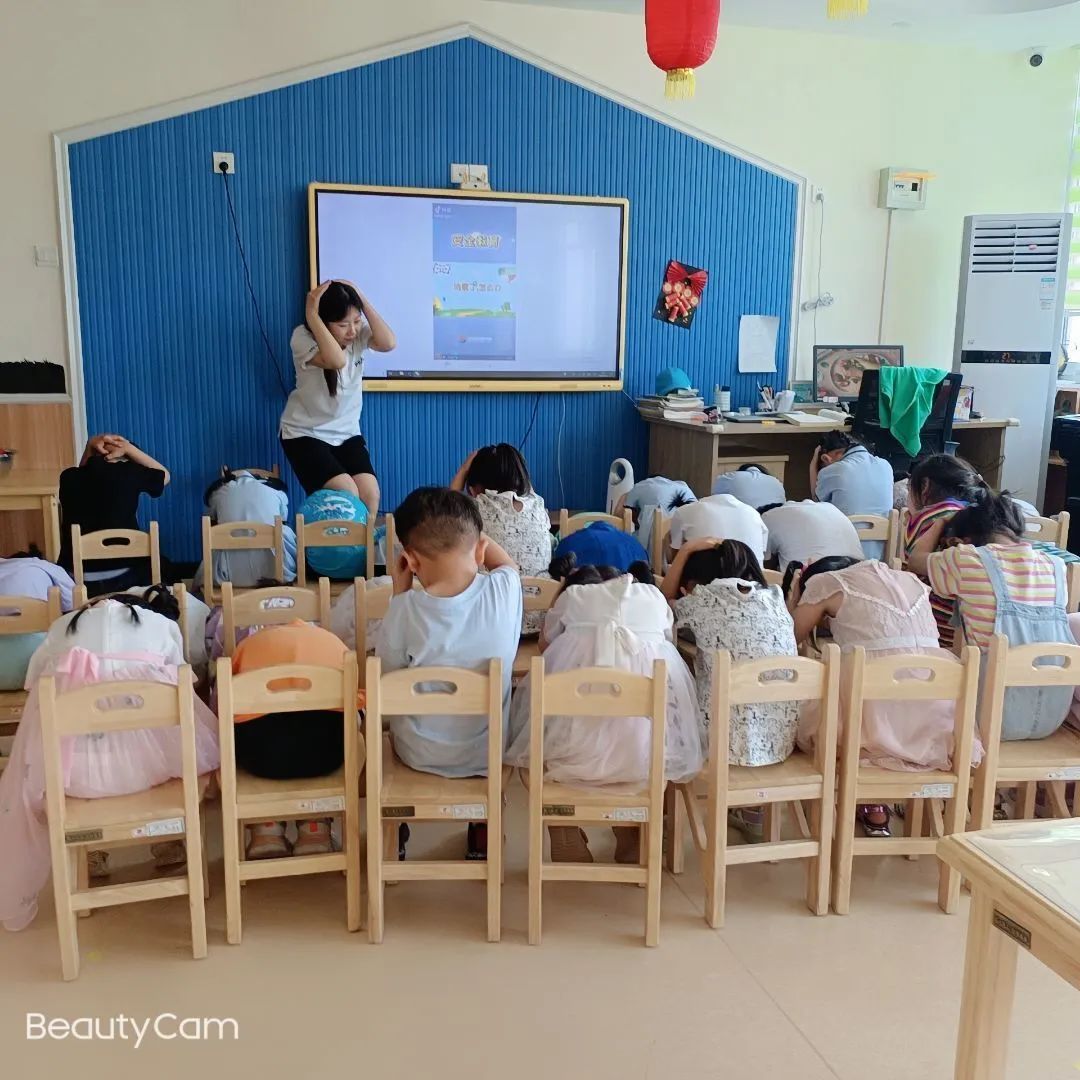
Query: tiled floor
[{"x": 776, "y": 994}]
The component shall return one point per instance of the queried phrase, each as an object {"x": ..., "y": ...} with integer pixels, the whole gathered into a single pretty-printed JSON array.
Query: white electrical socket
[
  {"x": 228, "y": 159},
  {"x": 469, "y": 176},
  {"x": 817, "y": 193}
]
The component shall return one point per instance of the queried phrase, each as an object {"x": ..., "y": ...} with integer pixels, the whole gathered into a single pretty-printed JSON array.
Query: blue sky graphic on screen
[
  {"x": 474, "y": 250},
  {"x": 474, "y": 288}
]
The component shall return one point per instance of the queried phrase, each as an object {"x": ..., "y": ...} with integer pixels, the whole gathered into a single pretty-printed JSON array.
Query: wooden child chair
[
  {"x": 1049, "y": 530},
  {"x": 879, "y": 527},
  {"x": 389, "y": 542},
  {"x": 900, "y": 678},
  {"x": 370, "y": 604},
  {"x": 22, "y": 615},
  {"x": 333, "y": 534},
  {"x": 801, "y": 778},
  {"x": 247, "y": 798},
  {"x": 274, "y": 605},
  {"x": 661, "y": 530},
  {"x": 538, "y": 594},
  {"x": 597, "y": 692},
  {"x": 1054, "y": 760},
  {"x": 396, "y": 793},
  {"x": 124, "y": 544},
  {"x": 240, "y": 536},
  {"x": 168, "y": 810},
  {"x": 569, "y": 525}
]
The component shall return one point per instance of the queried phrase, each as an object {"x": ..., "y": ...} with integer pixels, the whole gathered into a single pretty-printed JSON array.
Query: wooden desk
[
  {"x": 1025, "y": 891},
  {"x": 689, "y": 451},
  {"x": 35, "y": 489}
]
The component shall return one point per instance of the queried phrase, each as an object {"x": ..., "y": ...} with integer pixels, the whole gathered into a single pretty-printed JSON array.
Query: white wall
[{"x": 835, "y": 109}]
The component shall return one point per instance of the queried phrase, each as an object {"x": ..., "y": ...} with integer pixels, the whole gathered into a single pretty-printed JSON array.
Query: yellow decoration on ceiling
[{"x": 847, "y": 9}]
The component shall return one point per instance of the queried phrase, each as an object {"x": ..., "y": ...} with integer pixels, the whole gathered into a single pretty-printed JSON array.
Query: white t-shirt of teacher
[{"x": 310, "y": 410}]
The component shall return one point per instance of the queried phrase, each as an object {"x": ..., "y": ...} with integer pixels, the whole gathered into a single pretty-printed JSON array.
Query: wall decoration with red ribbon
[
  {"x": 680, "y": 36},
  {"x": 680, "y": 294}
]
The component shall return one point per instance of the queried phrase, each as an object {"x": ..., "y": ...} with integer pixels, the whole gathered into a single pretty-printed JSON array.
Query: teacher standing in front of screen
[{"x": 320, "y": 426}]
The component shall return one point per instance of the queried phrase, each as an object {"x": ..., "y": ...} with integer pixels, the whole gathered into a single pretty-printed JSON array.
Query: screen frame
[{"x": 402, "y": 385}]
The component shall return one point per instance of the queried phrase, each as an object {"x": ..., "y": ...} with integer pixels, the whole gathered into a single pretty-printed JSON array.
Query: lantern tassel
[
  {"x": 847, "y": 9},
  {"x": 679, "y": 83}
]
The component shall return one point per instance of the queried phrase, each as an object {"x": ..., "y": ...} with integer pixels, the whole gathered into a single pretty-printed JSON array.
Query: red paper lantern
[{"x": 680, "y": 36}]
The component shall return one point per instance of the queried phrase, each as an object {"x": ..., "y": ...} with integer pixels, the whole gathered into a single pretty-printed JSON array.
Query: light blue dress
[{"x": 859, "y": 483}]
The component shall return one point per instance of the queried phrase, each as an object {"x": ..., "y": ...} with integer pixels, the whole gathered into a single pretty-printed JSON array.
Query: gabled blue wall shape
[{"x": 171, "y": 348}]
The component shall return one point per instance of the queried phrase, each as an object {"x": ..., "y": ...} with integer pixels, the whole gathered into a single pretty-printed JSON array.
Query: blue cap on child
[{"x": 601, "y": 544}]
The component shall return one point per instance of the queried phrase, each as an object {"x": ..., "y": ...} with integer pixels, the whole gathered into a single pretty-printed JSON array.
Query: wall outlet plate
[
  {"x": 229, "y": 160},
  {"x": 469, "y": 176}
]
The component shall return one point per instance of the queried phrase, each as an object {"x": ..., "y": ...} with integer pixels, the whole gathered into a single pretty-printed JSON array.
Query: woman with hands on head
[{"x": 320, "y": 425}]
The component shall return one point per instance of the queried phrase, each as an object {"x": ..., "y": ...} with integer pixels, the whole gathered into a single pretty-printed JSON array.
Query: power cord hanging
[{"x": 247, "y": 281}]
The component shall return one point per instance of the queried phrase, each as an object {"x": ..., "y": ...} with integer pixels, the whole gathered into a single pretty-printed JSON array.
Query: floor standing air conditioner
[{"x": 1013, "y": 277}]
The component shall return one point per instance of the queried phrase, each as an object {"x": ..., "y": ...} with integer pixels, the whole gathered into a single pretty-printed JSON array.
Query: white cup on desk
[{"x": 785, "y": 401}]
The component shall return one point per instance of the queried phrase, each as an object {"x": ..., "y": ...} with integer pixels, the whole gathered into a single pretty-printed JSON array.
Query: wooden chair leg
[
  {"x": 693, "y": 817},
  {"x": 354, "y": 886},
  {"x": 913, "y": 822},
  {"x": 196, "y": 881},
  {"x": 536, "y": 872},
  {"x": 843, "y": 853},
  {"x": 1055, "y": 794},
  {"x": 773, "y": 821},
  {"x": 1025, "y": 799},
  {"x": 674, "y": 831},
  {"x": 801, "y": 822},
  {"x": 66, "y": 923},
  {"x": 494, "y": 875},
  {"x": 652, "y": 840},
  {"x": 819, "y": 868},
  {"x": 954, "y": 821},
  {"x": 715, "y": 863},
  {"x": 205, "y": 858},
  {"x": 378, "y": 846},
  {"x": 81, "y": 863},
  {"x": 231, "y": 838}
]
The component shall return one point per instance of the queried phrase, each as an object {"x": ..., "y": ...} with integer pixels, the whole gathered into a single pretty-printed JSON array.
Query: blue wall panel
[{"x": 171, "y": 348}]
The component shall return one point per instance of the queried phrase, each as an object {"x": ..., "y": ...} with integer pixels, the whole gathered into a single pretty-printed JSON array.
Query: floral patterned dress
[
  {"x": 520, "y": 525},
  {"x": 751, "y": 622}
]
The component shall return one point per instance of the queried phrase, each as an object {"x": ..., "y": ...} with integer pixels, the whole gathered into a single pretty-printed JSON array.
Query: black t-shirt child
[{"x": 103, "y": 495}]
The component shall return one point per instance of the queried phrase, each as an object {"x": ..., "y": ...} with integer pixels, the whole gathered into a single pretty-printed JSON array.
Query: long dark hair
[
  {"x": 730, "y": 559},
  {"x": 333, "y": 307},
  {"x": 500, "y": 467},
  {"x": 564, "y": 568},
  {"x": 979, "y": 523},
  {"x": 157, "y": 598},
  {"x": 938, "y": 477},
  {"x": 828, "y": 565}
]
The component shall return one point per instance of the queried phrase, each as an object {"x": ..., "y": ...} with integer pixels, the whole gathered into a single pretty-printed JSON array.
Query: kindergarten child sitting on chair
[{"x": 459, "y": 618}]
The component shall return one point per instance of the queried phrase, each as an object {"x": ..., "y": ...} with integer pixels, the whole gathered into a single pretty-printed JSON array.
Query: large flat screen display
[{"x": 484, "y": 290}]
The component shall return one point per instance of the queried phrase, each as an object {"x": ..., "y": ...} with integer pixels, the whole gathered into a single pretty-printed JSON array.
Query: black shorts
[
  {"x": 315, "y": 461},
  {"x": 291, "y": 745}
]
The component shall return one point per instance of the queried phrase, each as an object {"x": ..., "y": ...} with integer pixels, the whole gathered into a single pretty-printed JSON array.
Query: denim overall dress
[{"x": 1030, "y": 712}]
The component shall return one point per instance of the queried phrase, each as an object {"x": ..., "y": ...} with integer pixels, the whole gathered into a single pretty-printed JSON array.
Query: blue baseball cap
[
  {"x": 601, "y": 544},
  {"x": 671, "y": 379}
]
